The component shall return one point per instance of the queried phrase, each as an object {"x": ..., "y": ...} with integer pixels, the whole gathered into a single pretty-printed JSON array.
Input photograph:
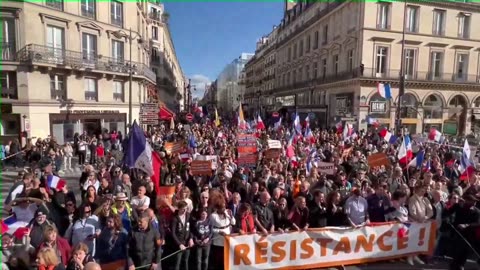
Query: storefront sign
[
  {"x": 89, "y": 111},
  {"x": 378, "y": 107},
  {"x": 286, "y": 100}
]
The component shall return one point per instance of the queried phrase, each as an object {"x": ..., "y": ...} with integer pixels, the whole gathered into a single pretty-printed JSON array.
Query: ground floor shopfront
[
  {"x": 44, "y": 119},
  {"x": 453, "y": 110}
]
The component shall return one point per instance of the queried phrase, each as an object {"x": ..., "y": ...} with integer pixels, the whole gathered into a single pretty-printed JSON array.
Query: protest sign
[
  {"x": 274, "y": 144},
  {"x": 247, "y": 160},
  {"x": 247, "y": 143},
  {"x": 214, "y": 160},
  {"x": 272, "y": 153},
  {"x": 325, "y": 167},
  {"x": 377, "y": 160},
  {"x": 201, "y": 167},
  {"x": 327, "y": 247},
  {"x": 174, "y": 147}
]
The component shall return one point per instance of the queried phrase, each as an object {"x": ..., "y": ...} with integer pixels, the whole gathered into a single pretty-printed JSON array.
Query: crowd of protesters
[{"x": 118, "y": 216}]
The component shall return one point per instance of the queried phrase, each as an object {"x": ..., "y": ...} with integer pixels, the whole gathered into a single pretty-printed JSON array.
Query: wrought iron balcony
[
  {"x": 43, "y": 55},
  {"x": 7, "y": 51},
  {"x": 91, "y": 96},
  {"x": 118, "y": 97},
  {"x": 389, "y": 74},
  {"x": 56, "y": 4},
  {"x": 9, "y": 92},
  {"x": 56, "y": 94}
]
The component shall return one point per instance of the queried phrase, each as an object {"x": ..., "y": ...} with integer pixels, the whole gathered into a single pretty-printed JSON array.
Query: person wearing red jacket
[{"x": 59, "y": 244}]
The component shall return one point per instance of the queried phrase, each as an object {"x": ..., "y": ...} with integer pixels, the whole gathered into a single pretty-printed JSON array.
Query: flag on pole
[
  {"x": 54, "y": 182},
  {"x": 172, "y": 123},
  {"x": 434, "y": 135},
  {"x": 383, "y": 90},
  {"x": 139, "y": 152},
  {"x": 260, "y": 124},
  {"x": 296, "y": 124},
  {"x": 278, "y": 124},
  {"x": 466, "y": 165},
  {"x": 405, "y": 153},
  {"x": 241, "y": 119}
]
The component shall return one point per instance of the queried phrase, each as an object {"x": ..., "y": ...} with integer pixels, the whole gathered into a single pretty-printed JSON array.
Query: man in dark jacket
[
  {"x": 181, "y": 235},
  {"x": 145, "y": 246}
]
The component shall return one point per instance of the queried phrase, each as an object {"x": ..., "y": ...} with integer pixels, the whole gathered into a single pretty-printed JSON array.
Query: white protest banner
[
  {"x": 327, "y": 247},
  {"x": 214, "y": 160},
  {"x": 274, "y": 144},
  {"x": 325, "y": 167}
]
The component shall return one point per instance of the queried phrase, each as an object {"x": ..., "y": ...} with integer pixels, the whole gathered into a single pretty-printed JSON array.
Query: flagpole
[{"x": 401, "y": 88}]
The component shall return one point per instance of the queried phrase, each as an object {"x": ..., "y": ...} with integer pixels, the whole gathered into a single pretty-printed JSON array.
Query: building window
[
  {"x": 335, "y": 64},
  {"x": 307, "y": 49},
  {"x": 410, "y": 58},
  {"x": 300, "y": 49},
  {"x": 316, "y": 41},
  {"x": 8, "y": 84},
  {"x": 117, "y": 13},
  {"x": 289, "y": 54},
  {"x": 288, "y": 78},
  {"x": 7, "y": 38},
  {"x": 91, "y": 92},
  {"x": 300, "y": 74},
  {"x": 350, "y": 59},
  {"x": 117, "y": 50},
  {"x": 118, "y": 91},
  {"x": 89, "y": 47},
  {"x": 412, "y": 19},
  {"x": 315, "y": 70},
  {"x": 294, "y": 51},
  {"x": 381, "y": 61},
  {"x": 56, "y": 4},
  {"x": 462, "y": 66},
  {"x": 325, "y": 35},
  {"x": 55, "y": 42},
  {"x": 464, "y": 25},
  {"x": 383, "y": 20},
  {"x": 324, "y": 68},
  {"x": 294, "y": 76},
  {"x": 57, "y": 87},
  {"x": 88, "y": 8},
  {"x": 433, "y": 107},
  {"x": 439, "y": 22},
  {"x": 155, "y": 32},
  {"x": 307, "y": 71},
  {"x": 436, "y": 59}
]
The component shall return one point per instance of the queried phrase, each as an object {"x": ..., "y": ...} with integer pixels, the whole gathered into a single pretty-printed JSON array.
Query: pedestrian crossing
[{"x": 10, "y": 175}]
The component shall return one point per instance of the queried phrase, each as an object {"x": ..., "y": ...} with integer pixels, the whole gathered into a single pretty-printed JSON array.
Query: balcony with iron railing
[
  {"x": 91, "y": 95},
  {"x": 7, "y": 51},
  {"x": 390, "y": 74},
  {"x": 9, "y": 92},
  {"x": 43, "y": 55},
  {"x": 58, "y": 94},
  {"x": 119, "y": 97},
  {"x": 157, "y": 16}
]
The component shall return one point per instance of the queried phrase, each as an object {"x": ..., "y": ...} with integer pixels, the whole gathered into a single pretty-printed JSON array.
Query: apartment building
[
  {"x": 66, "y": 66},
  {"x": 229, "y": 88},
  {"x": 330, "y": 57},
  {"x": 164, "y": 62}
]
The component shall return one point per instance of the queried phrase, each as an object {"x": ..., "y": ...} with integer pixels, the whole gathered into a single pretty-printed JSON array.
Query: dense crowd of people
[{"x": 121, "y": 219}]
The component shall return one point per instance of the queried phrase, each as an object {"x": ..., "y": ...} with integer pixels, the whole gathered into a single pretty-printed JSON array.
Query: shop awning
[{"x": 165, "y": 113}]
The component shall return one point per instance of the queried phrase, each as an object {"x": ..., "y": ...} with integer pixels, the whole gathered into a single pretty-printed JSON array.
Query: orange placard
[
  {"x": 201, "y": 167},
  {"x": 272, "y": 153},
  {"x": 174, "y": 147},
  {"x": 377, "y": 160}
]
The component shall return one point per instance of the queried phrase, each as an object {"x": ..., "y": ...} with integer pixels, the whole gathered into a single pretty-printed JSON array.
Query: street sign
[
  {"x": 275, "y": 114},
  {"x": 149, "y": 113},
  {"x": 189, "y": 117}
]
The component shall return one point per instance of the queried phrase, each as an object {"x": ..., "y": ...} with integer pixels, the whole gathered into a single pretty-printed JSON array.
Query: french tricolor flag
[
  {"x": 387, "y": 136},
  {"x": 54, "y": 182},
  {"x": 405, "y": 153},
  {"x": 434, "y": 135},
  {"x": 384, "y": 91},
  {"x": 260, "y": 124},
  {"x": 14, "y": 227}
]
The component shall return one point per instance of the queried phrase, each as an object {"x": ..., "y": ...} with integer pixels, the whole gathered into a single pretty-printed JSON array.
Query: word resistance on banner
[{"x": 319, "y": 248}]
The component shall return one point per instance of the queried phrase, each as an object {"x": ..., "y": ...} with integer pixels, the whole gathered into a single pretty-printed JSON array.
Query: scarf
[
  {"x": 247, "y": 223},
  {"x": 43, "y": 267}
]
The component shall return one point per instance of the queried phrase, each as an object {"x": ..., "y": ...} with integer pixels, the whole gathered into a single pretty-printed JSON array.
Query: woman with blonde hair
[
  {"x": 47, "y": 259},
  {"x": 184, "y": 195}
]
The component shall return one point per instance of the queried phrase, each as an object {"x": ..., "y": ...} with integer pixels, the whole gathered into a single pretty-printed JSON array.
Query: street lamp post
[
  {"x": 131, "y": 68},
  {"x": 401, "y": 88}
]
